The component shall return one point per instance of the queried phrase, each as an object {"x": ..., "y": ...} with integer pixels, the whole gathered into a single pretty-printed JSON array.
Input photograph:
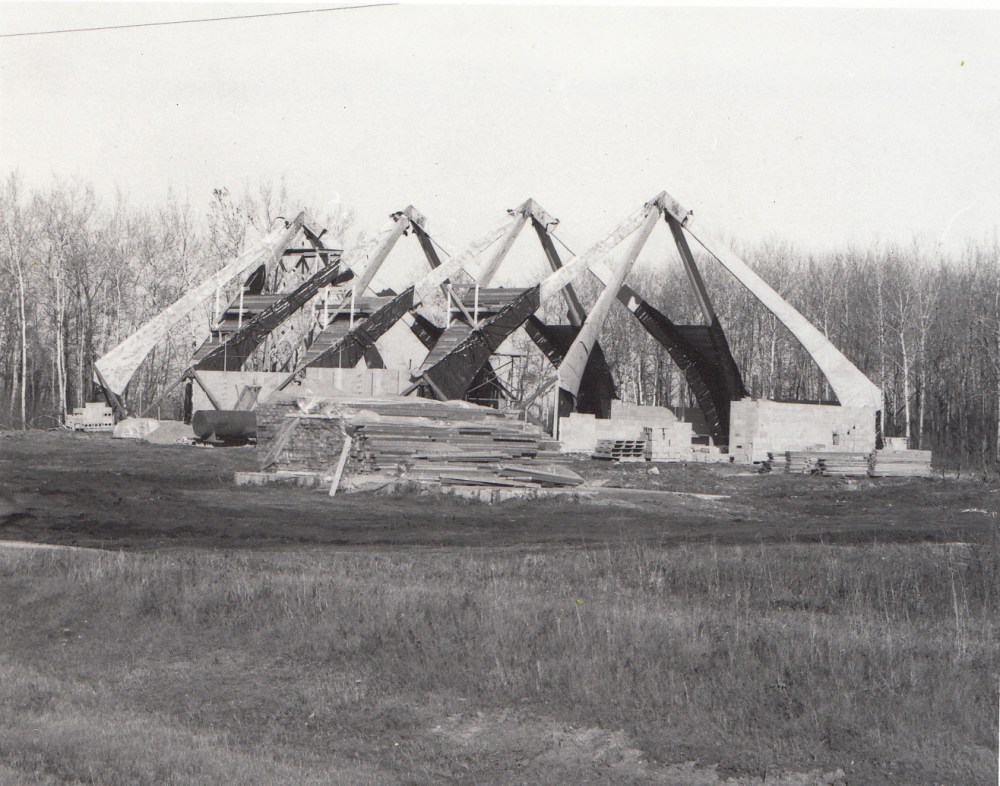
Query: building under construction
[{"x": 306, "y": 322}]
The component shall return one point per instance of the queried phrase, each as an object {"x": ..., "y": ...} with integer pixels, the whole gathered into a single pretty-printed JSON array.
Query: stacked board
[
  {"x": 877, "y": 464},
  {"x": 845, "y": 464},
  {"x": 901, "y": 464},
  {"x": 454, "y": 443},
  {"x": 795, "y": 462}
]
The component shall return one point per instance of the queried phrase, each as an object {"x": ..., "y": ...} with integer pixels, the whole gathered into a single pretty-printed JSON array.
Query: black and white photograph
[{"x": 411, "y": 393}]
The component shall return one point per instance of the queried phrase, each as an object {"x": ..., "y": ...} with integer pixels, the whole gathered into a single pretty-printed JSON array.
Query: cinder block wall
[
  {"x": 760, "y": 426},
  {"x": 579, "y": 433}
]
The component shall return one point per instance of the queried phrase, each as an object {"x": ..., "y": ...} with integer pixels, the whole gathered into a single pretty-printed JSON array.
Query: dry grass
[{"x": 287, "y": 667}]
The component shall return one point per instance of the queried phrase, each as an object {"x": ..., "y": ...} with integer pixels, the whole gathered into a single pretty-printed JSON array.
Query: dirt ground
[{"x": 90, "y": 490}]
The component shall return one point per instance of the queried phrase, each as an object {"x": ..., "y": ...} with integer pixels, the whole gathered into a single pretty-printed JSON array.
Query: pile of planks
[
  {"x": 453, "y": 443},
  {"x": 844, "y": 464},
  {"x": 901, "y": 464},
  {"x": 821, "y": 462},
  {"x": 877, "y": 464},
  {"x": 450, "y": 442},
  {"x": 620, "y": 450},
  {"x": 793, "y": 462}
]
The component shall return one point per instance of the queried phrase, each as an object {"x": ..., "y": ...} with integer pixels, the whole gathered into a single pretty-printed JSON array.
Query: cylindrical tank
[{"x": 228, "y": 425}]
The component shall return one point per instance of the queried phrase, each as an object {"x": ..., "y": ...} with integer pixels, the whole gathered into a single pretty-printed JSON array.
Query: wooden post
[{"x": 345, "y": 451}]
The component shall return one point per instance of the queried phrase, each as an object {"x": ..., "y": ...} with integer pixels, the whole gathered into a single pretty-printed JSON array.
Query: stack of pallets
[
  {"x": 620, "y": 450},
  {"x": 901, "y": 464}
]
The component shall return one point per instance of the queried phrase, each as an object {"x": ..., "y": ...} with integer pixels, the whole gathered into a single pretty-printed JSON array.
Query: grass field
[
  {"x": 430, "y": 667},
  {"x": 776, "y": 635}
]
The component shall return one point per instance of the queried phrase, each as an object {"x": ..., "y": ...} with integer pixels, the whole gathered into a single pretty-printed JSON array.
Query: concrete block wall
[
  {"x": 671, "y": 437},
  {"x": 760, "y": 426},
  {"x": 669, "y": 443},
  {"x": 653, "y": 416}
]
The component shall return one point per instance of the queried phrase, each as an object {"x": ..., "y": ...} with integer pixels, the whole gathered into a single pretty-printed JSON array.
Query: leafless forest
[{"x": 80, "y": 273}]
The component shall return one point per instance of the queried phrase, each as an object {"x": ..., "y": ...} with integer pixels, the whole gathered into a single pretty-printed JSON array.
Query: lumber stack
[
  {"x": 877, "y": 464},
  {"x": 844, "y": 464},
  {"x": 901, "y": 464},
  {"x": 800, "y": 462},
  {"x": 452, "y": 443}
]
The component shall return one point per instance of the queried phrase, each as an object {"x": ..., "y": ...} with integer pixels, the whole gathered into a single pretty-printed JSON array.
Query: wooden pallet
[{"x": 620, "y": 450}]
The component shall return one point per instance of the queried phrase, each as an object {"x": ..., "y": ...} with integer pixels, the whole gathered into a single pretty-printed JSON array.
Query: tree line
[{"x": 78, "y": 275}]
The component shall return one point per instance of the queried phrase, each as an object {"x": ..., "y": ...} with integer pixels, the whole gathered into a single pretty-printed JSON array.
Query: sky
[{"x": 820, "y": 127}]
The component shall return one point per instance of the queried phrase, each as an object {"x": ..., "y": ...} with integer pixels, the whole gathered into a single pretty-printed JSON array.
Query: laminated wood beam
[
  {"x": 110, "y": 396},
  {"x": 851, "y": 386},
  {"x": 485, "y": 270},
  {"x": 691, "y": 268},
  {"x": 427, "y": 245},
  {"x": 574, "y": 308},
  {"x": 239, "y": 346},
  {"x": 573, "y": 365},
  {"x": 117, "y": 366},
  {"x": 453, "y": 373}
]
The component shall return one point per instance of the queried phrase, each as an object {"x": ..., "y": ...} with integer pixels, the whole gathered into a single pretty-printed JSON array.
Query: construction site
[
  {"x": 346, "y": 387},
  {"x": 404, "y": 394},
  {"x": 495, "y": 502}
]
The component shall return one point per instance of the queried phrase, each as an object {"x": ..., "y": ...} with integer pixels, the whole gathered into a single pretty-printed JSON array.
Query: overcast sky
[{"x": 822, "y": 127}]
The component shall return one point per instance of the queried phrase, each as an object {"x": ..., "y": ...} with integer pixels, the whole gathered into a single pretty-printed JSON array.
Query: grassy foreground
[{"x": 473, "y": 666}]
